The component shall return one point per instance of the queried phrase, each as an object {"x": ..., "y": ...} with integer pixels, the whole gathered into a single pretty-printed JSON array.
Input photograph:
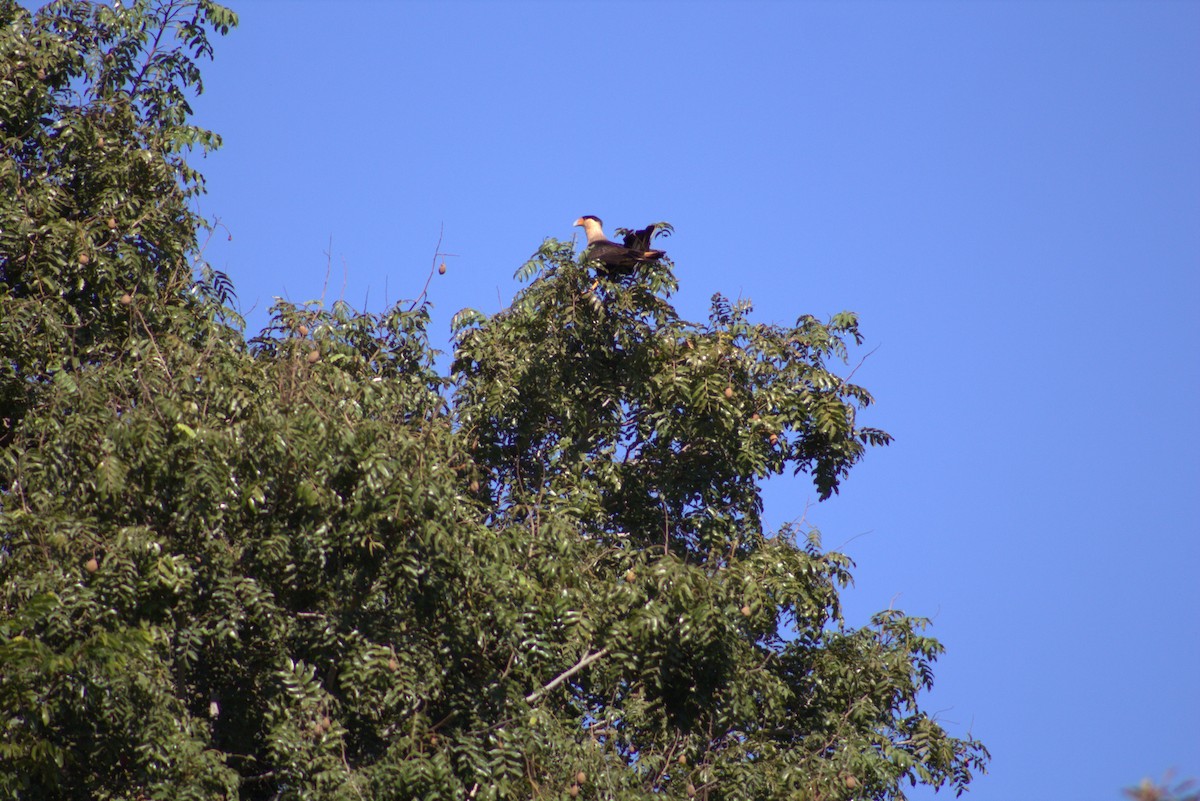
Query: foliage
[
  {"x": 94, "y": 187},
  {"x": 1167, "y": 790},
  {"x": 309, "y": 566}
]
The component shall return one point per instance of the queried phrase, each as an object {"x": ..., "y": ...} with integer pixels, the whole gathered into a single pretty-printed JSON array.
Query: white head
[{"x": 592, "y": 226}]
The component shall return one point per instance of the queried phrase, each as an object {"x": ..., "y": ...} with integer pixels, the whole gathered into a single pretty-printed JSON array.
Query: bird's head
[{"x": 592, "y": 226}]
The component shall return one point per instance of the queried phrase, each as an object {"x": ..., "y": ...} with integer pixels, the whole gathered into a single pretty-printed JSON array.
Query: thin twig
[
  {"x": 345, "y": 279},
  {"x": 666, "y": 530},
  {"x": 566, "y": 674},
  {"x": 437, "y": 253},
  {"x": 352, "y": 779},
  {"x": 861, "y": 362},
  {"x": 328, "y": 268},
  {"x": 666, "y": 763},
  {"x": 154, "y": 344}
]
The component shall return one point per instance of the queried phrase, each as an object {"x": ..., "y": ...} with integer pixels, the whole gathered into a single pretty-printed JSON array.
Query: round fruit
[
  {"x": 729, "y": 392},
  {"x": 580, "y": 777},
  {"x": 91, "y": 565},
  {"x": 126, "y": 299},
  {"x": 442, "y": 268},
  {"x": 630, "y": 576},
  {"x": 745, "y": 611},
  {"x": 314, "y": 356},
  {"x": 302, "y": 330}
]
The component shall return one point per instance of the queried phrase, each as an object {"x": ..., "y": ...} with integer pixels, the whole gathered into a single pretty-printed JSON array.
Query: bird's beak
[{"x": 578, "y": 222}]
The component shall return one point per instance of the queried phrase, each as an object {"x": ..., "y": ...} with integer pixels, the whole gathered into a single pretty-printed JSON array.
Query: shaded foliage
[
  {"x": 308, "y": 565},
  {"x": 94, "y": 185}
]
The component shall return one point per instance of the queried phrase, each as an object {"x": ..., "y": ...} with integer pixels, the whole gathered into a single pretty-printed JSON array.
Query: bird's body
[{"x": 613, "y": 260}]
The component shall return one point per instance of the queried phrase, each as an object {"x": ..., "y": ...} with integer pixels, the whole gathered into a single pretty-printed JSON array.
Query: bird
[{"x": 613, "y": 260}]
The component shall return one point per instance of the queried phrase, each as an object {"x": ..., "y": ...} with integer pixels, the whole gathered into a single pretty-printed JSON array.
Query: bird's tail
[{"x": 639, "y": 240}]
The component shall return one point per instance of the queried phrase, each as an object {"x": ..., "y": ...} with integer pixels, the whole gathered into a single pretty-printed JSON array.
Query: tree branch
[{"x": 566, "y": 674}]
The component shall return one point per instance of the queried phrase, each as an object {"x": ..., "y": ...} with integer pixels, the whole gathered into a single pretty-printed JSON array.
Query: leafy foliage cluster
[
  {"x": 309, "y": 566},
  {"x": 94, "y": 185}
]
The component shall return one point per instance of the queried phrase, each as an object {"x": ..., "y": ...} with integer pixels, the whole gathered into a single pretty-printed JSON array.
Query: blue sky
[{"x": 1007, "y": 193}]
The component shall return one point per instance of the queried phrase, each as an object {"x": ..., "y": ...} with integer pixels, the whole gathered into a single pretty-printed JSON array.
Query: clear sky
[{"x": 1007, "y": 193}]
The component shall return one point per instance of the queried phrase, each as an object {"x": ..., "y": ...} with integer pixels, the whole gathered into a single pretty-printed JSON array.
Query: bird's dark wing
[{"x": 613, "y": 259}]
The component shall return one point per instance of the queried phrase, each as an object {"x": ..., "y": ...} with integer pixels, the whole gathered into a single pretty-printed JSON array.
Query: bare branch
[
  {"x": 566, "y": 674},
  {"x": 861, "y": 362},
  {"x": 433, "y": 268}
]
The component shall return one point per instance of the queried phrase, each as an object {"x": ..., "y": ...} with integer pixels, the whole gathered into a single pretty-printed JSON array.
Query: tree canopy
[{"x": 307, "y": 564}]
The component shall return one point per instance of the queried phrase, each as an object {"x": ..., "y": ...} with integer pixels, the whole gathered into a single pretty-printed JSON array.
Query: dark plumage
[{"x": 613, "y": 260}]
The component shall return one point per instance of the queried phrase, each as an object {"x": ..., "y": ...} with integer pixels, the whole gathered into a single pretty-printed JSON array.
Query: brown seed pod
[
  {"x": 573, "y": 790},
  {"x": 630, "y": 576},
  {"x": 851, "y": 782},
  {"x": 774, "y": 439},
  {"x": 41, "y": 73},
  {"x": 691, "y": 790},
  {"x": 112, "y": 223},
  {"x": 474, "y": 486},
  {"x": 728, "y": 392},
  {"x": 393, "y": 664},
  {"x": 84, "y": 258},
  {"x": 302, "y": 330},
  {"x": 682, "y": 759},
  {"x": 91, "y": 565},
  {"x": 580, "y": 777},
  {"x": 314, "y": 356},
  {"x": 126, "y": 299},
  {"x": 746, "y": 611},
  {"x": 442, "y": 268}
]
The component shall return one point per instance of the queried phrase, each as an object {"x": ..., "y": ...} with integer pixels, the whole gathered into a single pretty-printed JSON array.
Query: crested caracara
[{"x": 615, "y": 260}]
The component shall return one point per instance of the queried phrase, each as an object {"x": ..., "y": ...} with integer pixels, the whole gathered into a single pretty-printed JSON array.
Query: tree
[{"x": 308, "y": 565}]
